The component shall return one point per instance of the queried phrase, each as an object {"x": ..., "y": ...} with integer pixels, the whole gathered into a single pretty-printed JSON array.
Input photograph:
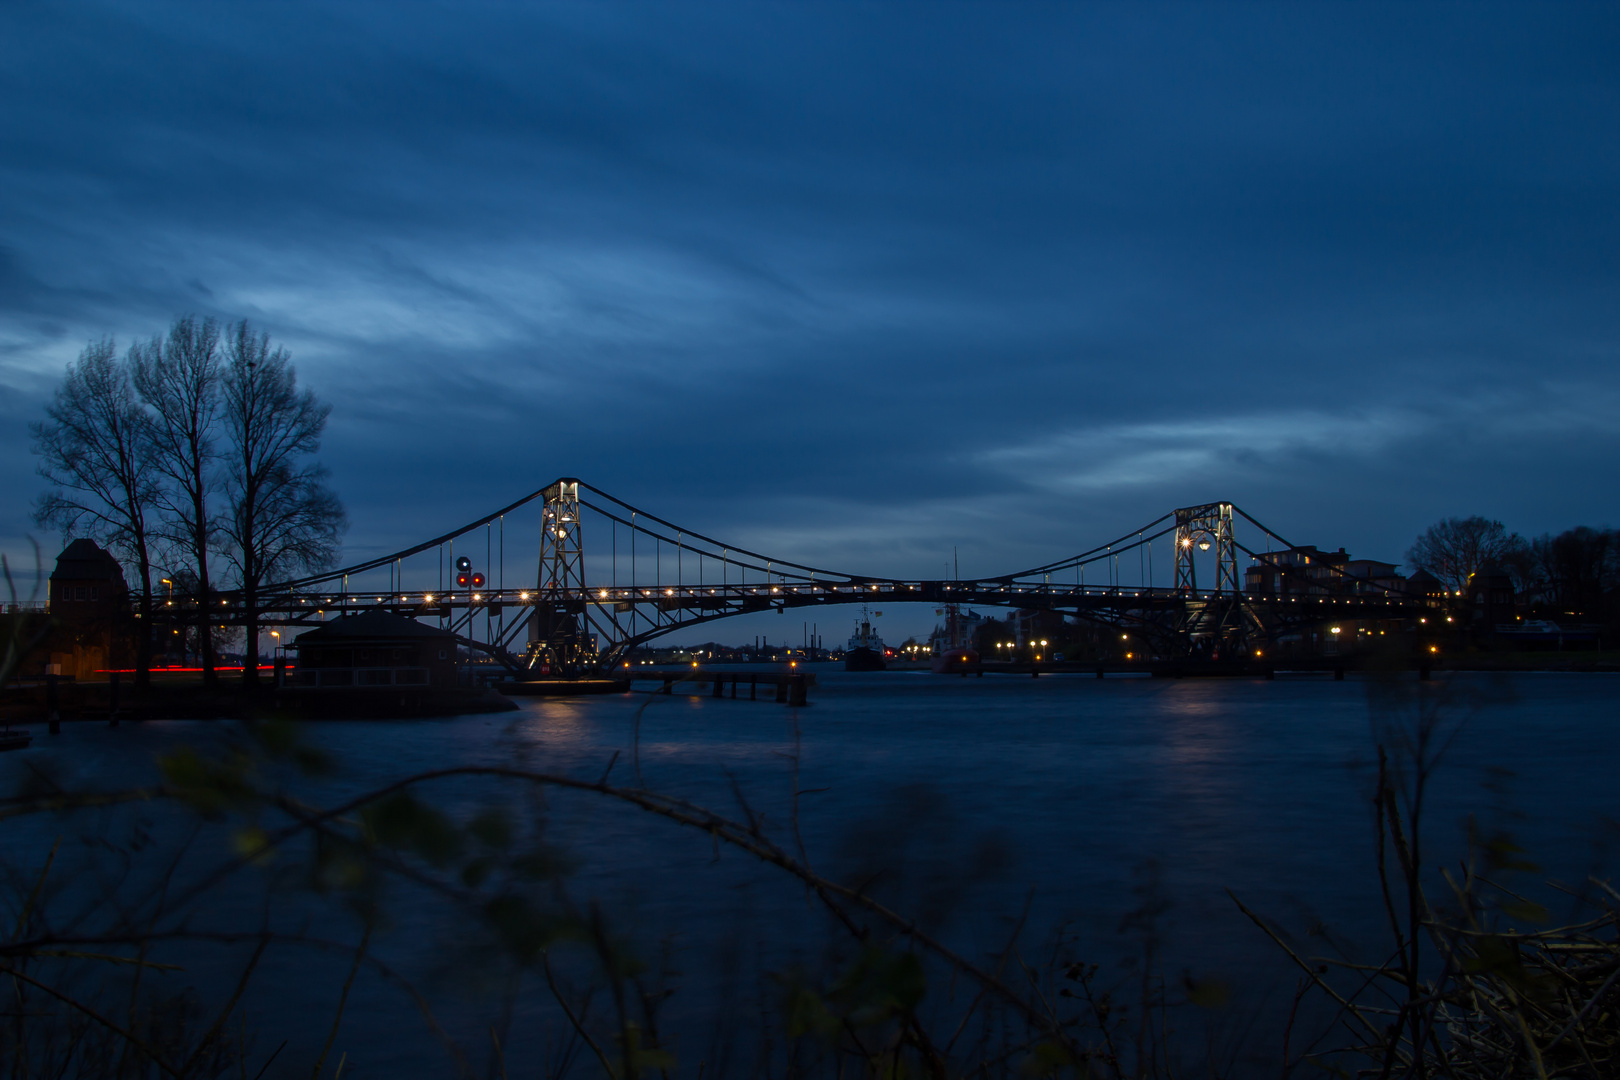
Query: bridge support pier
[
  {"x": 734, "y": 688},
  {"x": 753, "y": 688},
  {"x": 719, "y": 686},
  {"x": 796, "y": 694},
  {"x": 781, "y": 693}
]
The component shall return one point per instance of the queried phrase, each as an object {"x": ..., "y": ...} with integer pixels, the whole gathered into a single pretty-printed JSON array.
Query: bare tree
[
  {"x": 178, "y": 376},
  {"x": 282, "y": 517},
  {"x": 1455, "y": 549},
  {"x": 96, "y": 452}
]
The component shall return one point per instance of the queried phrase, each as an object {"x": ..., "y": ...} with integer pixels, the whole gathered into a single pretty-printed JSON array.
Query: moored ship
[
  {"x": 865, "y": 650},
  {"x": 953, "y": 655}
]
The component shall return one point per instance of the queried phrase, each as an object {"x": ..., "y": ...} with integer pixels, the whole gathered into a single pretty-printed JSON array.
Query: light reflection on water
[{"x": 1257, "y": 786}]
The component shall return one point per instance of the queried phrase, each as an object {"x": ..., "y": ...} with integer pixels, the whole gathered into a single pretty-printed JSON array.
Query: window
[
  {"x": 93, "y": 593},
  {"x": 78, "y": 593},
  {"x": 442, "y": 655}
]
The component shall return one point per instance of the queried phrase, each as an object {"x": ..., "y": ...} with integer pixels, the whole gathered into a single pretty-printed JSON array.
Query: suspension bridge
[{"x": 649, "y": 577}]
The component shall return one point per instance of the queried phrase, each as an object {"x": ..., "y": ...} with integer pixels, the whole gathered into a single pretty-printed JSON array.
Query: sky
[{"x": 857, "y": 285}]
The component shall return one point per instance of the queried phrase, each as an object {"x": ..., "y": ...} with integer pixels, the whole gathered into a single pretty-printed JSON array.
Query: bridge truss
[{"x": 648, "y": 577}]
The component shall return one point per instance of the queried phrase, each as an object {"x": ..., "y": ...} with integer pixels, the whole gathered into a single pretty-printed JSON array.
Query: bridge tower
[
  {"x": 558, "y": 637},
  {"x": 1218, "y": 622},
  {"x": 1202, "y": 526}
]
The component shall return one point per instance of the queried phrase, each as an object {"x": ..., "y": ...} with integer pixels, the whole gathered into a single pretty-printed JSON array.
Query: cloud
[
  {"x": 1164, "y": 452},
  {"x": 879, "y": 285}
]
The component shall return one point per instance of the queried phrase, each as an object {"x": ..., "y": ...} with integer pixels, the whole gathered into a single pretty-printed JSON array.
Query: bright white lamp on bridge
[
  {"x": 1203, "y": 545},
  {"x": 1334, "y": 630}
]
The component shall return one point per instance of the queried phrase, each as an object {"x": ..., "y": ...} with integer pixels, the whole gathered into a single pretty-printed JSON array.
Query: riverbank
[
  {"x": 184, "y": 697},
  {"x": 1592, "y": 660}
]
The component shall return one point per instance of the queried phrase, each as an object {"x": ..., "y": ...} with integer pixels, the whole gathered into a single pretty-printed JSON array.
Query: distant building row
[{"x": 1310, "y": 571}]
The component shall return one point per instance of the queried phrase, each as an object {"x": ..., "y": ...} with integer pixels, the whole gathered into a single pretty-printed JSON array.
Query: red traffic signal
[
  {"x": 478, "y": 581},
  {"x": 463, "y": 580}
]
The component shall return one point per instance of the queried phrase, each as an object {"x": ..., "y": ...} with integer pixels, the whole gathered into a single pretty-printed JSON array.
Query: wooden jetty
[{"x": 791, "y": 687}]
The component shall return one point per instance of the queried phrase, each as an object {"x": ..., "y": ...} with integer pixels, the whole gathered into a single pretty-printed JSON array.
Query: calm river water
[{"x": 975, "y": 796}]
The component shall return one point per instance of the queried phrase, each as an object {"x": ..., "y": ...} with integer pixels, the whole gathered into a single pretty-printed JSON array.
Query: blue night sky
[{"x": 854, "y": 284}]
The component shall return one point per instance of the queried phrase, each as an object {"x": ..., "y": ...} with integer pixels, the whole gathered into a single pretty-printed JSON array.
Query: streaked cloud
[{"x": 1000, "y": 281}]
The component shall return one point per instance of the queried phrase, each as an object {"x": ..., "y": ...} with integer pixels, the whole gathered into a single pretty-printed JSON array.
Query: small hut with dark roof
[
  {"x": 87, "y": 581},
  {"x": 89, "y": 604},
  {"x": 374, "y": 650}
]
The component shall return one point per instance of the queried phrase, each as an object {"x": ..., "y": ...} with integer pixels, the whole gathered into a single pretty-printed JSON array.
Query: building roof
[
  {"x": 1425, "y": 582},
  {"x": 1369, "y": 568},
  {"x": 372, "y": 625},
  {"x": 86, "y": 560}
]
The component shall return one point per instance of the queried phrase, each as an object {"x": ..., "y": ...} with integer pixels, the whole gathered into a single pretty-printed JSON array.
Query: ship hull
[
  {"x": 956, "y": 662},
  {"x": 864, "y": 660}
]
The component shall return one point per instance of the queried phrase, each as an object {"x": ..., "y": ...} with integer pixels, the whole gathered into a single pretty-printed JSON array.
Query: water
[{"x": 978, "y": 796}]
